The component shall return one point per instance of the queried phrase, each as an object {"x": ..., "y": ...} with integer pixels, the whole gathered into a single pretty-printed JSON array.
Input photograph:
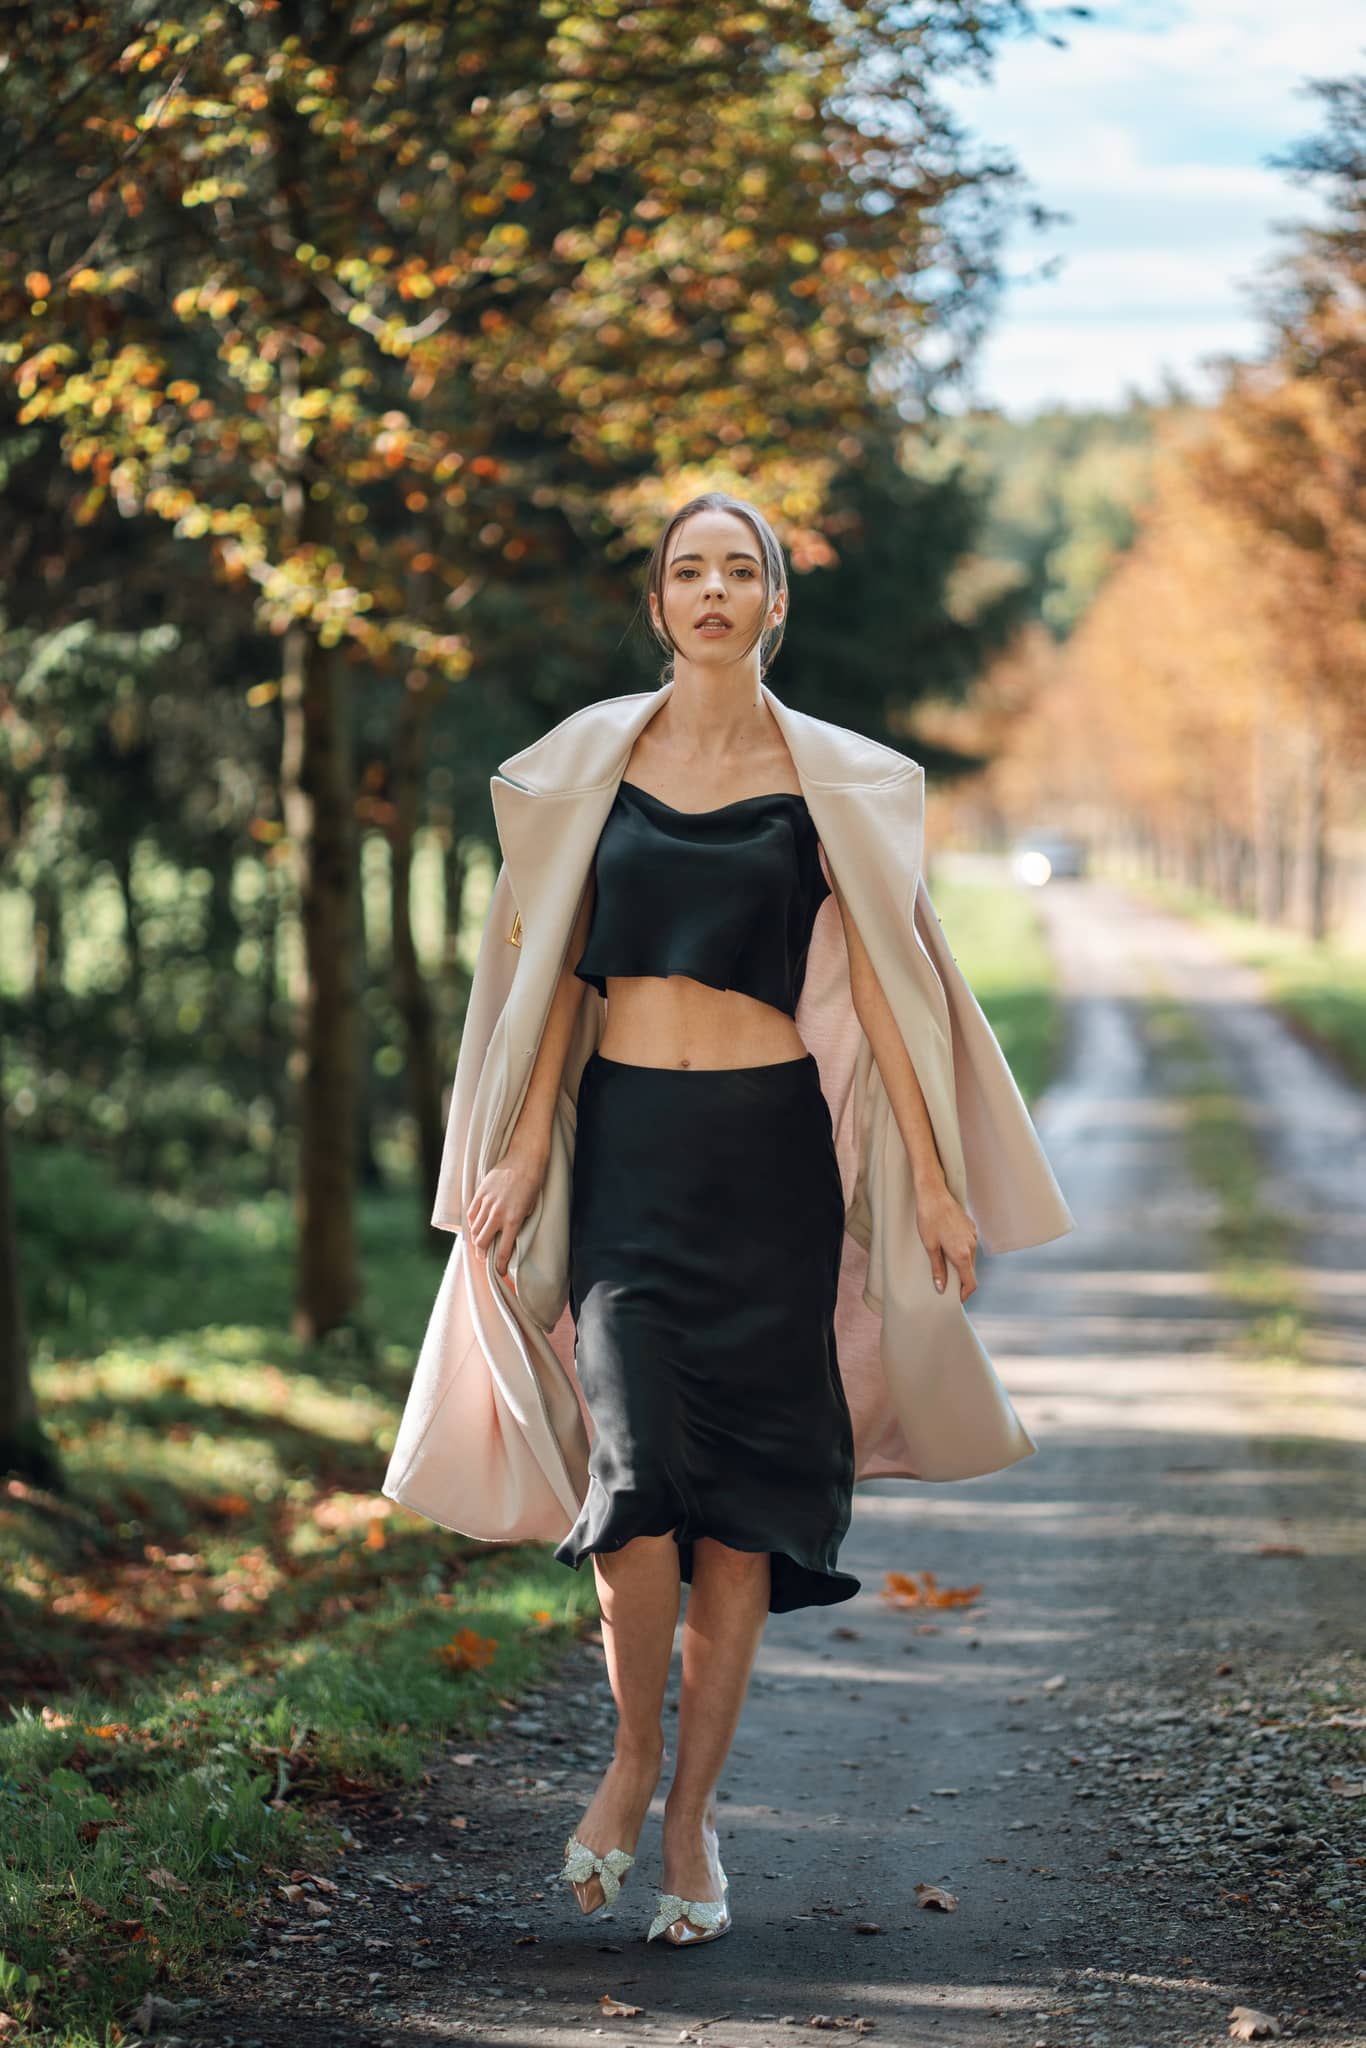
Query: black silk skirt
[{"x": 706, "y": 1226}]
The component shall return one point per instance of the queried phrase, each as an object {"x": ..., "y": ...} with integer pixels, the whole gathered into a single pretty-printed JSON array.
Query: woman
[{"x": 664, "y": 1156}]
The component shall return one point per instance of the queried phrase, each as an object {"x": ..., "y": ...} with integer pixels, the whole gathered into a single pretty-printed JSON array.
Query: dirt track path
[{"x": 1120, "y": 1760}]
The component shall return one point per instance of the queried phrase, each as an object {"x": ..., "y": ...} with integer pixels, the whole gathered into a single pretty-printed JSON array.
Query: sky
[{"x": 1151, "y": 129}]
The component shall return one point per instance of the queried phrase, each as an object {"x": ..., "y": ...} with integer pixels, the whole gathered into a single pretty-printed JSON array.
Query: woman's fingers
[{"x": 941, "y": 1257}]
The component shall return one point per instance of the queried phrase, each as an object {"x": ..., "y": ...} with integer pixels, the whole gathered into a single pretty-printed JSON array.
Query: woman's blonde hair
[{"x": 772, "y": 562}]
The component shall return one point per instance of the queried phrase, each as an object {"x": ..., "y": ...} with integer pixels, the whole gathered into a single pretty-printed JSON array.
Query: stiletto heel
[
  {"x": 710, "y": 1917},
  {"x": 582, "y": 1865}
]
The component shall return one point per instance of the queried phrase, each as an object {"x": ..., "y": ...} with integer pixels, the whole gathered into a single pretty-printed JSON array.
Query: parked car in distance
[{"x": 1040, "y": 857}]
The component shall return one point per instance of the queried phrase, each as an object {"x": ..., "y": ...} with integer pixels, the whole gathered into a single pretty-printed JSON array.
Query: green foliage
[
  {"x": 1066, "y": 492},
  {"x": 998, "y": 940}
]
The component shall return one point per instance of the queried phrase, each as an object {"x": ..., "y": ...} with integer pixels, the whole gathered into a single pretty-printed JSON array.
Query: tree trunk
[
  {"x": 48, "y": 945},
  {"x": 132, "y": 930},
  {"x": 316, "y": 784},
  {"x": 368, "y": 1173},
  {"x": 410, "y": 990},
  {"x": 25, "y": 1450},
  {"x": 454, "y": 869},
  {"x": 1314, "y": 857}
]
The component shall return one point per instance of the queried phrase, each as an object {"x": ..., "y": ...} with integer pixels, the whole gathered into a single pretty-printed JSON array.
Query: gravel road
[{"x": 1135, "y": 1761}]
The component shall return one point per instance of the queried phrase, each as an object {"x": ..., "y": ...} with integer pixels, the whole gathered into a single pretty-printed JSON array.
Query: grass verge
[
  {"x": 1253, "y": 1245},
  {"x": 1319, "y": 987},
  {"x": 998, "y": 940},
  {"x": 220, "y": 1637}
]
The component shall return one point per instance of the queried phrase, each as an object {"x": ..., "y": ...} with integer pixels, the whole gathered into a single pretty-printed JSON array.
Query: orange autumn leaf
[
  {"x": 616, "y": 2009},
  {"x": 467, "y": 1651},
  {"x": 375, "y": 1537},
  {"x": 922, "y": 1589}
]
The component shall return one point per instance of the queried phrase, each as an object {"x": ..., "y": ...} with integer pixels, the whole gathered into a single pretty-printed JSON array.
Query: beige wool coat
[{"x": 494, "y": 1437}]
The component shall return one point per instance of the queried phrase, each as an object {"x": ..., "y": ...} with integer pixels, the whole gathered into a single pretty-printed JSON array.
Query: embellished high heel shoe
[
  {"x": 711, "y": 1918},
  {"x": 582, "y": 1865}
]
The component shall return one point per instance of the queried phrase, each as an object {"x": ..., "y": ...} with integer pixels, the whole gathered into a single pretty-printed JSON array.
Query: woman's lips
[{"x": 714, "y": 626}]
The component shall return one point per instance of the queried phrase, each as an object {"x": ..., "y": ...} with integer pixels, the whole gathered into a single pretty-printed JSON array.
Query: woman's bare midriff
[{"x": 672, "y": 1021}]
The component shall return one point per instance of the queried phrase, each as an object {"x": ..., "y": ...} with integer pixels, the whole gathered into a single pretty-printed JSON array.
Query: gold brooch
[{"x": 515, "y": 934}]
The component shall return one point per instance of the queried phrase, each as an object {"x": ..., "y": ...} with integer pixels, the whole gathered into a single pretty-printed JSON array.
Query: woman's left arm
[{"x": 947, "y": 1231}]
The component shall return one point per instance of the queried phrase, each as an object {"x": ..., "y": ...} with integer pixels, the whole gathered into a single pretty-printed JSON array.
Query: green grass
[
  {"x": 1319, "y": 987},
  {"x": 998, "y": 940},
  {"x": 220, "y": 1632},
  {"x": 1252, "y": 1244}
]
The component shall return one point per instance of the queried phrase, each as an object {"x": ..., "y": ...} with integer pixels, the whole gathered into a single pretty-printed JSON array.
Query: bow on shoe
[
  {"x": 704, "y": 1913},
  {"x": 581, "y": 1864}
]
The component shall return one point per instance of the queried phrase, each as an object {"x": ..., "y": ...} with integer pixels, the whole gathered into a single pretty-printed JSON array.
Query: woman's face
[{"x": 713, "y": 570}]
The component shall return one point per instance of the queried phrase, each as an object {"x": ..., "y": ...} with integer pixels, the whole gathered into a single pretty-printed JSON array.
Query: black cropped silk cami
[{"x": 726, "y": 896}]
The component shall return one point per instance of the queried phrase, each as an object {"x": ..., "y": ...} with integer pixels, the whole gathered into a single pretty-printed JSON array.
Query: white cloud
[{"x": 1151, "y": 131}]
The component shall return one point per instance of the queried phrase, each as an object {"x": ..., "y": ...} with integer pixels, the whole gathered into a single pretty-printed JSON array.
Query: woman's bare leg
[
  {"x": 727, "y": 1609},
  {"x": 638, "y": 1592}
]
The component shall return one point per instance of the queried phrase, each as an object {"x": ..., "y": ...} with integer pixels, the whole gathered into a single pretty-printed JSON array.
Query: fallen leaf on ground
[
  {"x": 1247, "y": 2024},
  {"x": 922, "y": 1589},
  {"x": 467, "y": 1651},
  {"x": 615, "y": 2009},
  {"x": 936, "y": 1896},
  {"x": 1280, "y": 1550},
  {"x": 165, "y": 1880}
]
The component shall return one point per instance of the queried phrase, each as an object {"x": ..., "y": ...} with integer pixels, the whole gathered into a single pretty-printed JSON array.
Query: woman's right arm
[{"x": 504, "y": 1197}]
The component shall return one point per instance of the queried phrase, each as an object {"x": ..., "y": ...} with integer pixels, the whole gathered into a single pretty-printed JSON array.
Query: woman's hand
[
  {"x": 947, "y": 1233},
  {"x": 503, "y": 1201}
]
